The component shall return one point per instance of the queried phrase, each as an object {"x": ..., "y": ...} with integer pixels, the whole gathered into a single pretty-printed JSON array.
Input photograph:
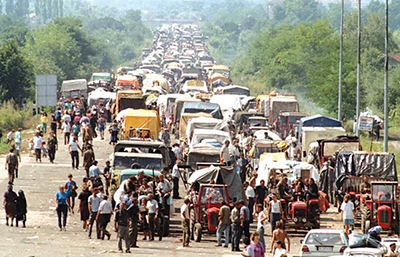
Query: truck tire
[
  {"x": 197, "y": 232},
  {"x": 165, "y": 227},
  {"x": 365, "y": 216}
]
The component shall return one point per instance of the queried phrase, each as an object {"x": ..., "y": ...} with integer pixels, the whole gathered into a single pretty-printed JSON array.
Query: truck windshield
[{"x": 382, "y": 192}]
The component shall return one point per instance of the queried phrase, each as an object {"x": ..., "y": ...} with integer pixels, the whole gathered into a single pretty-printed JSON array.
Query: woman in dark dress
[
  {"x": 84, "y": 206},
  {"x": 10, "y": 204},
  {"x": 114, "y": 134},
  {"x": 53, "y": 124},
  {"x": 21, "y": 208}
]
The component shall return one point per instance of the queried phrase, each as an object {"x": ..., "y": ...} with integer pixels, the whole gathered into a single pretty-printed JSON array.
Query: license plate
[{"x": 325, "y": 249}]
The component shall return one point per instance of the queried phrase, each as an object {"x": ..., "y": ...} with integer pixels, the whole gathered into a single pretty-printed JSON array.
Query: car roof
[
  {"x": 142, "y": 155},
  {"x": 320, "y": 231}
]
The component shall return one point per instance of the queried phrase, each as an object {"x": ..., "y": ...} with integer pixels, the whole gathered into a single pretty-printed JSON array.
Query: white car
[
  {"x": 324, "y": 242},
  {"x": 390, "y": 240},
  {"x": 365, "y": 252}
]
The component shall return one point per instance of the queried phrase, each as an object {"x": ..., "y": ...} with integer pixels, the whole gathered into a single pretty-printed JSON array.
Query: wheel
[
  {"x": 165, "y": 225},
  {"x": 367, "y": 225},
  {"x": 197, "y": 232},
  {"x": 365, "y": 216}
]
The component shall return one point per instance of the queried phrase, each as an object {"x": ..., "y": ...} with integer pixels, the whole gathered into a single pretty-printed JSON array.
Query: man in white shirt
[
  {"x": 176, "y": 175},
  {"x": 66, "y": 127},
  {"x": 37, "y": 144},
  {"x": 94, "y": 203},
  {"x": 185, "y": 222},
  {"x": 347, "y": 213},
  {"x": 224, "y": 155},
  {"x": 250, "y": 195},
  {"x": 66, "y": 117},
  {"x": 73, "y": 148},
  {"x": 104, "y": 216},
  {"x": 152, "y": 208}
]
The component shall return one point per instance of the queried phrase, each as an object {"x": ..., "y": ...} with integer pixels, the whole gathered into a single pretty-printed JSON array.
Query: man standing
[
  {"x": 121, "y": 226},
  {"x": 224, "y": 155},
  {"x": 152, "y": 208},
  {"x": 37, "y": 143},
  {"x": 104, "y": 216},
  {"x": 73, "y": 151},
  {"x": 52, "y": 144},
  {"x": 261, "y": 192},
  {"x": 274, "y": 211},
  {"x": 236, "y": 230},
  {"x": 93, "y": 204},
  {"x": 250, "y": 195},
  {"x": 185, "y": 222},
  {"x": 88, "y": 159},
  {"x": 245, "y": 219},
  {"x": 133, "y": 211},
  {"x": 18, "y": 140},
  {"x": 279, "y": 235},
  {"x": 11, "y": 165},
  {"x": 224, "y": 223},
  {"x": 94, "y": 171},
  {"x": 176, "y": 175},
  {"x": 66, "y": 127},
  {"x": 107, "y": 176},
  {"x": 164, "y": 190}
]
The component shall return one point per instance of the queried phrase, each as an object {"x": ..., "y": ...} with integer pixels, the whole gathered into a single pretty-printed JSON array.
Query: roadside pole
[
  {"x": 386, "y": 87},
  {"x": 340, "y": 63},
  {"x": 358, "y": 64}
]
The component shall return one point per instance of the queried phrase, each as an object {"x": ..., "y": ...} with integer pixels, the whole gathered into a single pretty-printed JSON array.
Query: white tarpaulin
[
  {"x": 206, "y": 123},
  {"x": 227, "y": 102}
]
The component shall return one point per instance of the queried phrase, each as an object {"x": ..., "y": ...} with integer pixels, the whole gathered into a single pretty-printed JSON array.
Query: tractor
[
  {"x": 382, "y": 207},
  {"x": 304, "y": 214},
  {"x": 205, "y": 210}
]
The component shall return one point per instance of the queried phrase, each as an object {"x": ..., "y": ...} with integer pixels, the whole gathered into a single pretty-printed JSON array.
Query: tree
[{"x": 16, "y": 76}]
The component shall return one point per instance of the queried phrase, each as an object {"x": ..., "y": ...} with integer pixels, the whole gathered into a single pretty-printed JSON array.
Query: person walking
[
  {"x": 10, "y": 204},
  {"x": 22, "y": 209},
  {"x": 121, "y": 226},
  {"x": 114, "y": 134},
  {"x": 280, "y": 235},
  {"x": 53, "y": 124},
  {"x": 66, "y": 127},
  {"x": 133, "y": 211},
  {"x": 261, "y": 218},
  {"x": 224, "y": 156},
  {"x": 347, "y": 213},
  {"x": 176, "y": 175},
  {"x": 261, "y": 192},
  {"x": 94, "y": 203},
  {"x": 245, "y": 219},
  {"x": 223, "y": 224},
  {"x": 274, "y": 211},
  {"x": 38, "y": 144},
  {"x": 70, "y": 187},
  {"x": 185, "y": 222},
  {"x": 73, "y": 148},
  {"x": 143, "y": 218},
  {"x": 62, "y": 203},
  {"x": 84, "y": 206},
  {"x": 236, "y": 229},
  {"x": 88, "y": 159},
  {"x": 104, "y": 216},
  {"x": 18, "y": 141},
  {"x": 152, "y": 208},
  {"x": 102, "y": 126},
  {"x": 11, "y": 165},
  {"x": 250, "y": 195},
  {"x": 44, "y": 120},
  {"x": 52, "y": 145},
  {"x": 107, "y": 176}
]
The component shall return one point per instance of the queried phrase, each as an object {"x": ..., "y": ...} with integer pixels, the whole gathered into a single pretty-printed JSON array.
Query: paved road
[{"x": 42, "y": 238}]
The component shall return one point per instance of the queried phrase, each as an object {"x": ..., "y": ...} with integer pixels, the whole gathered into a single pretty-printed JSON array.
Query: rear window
[{"x": 324, "y": 239}]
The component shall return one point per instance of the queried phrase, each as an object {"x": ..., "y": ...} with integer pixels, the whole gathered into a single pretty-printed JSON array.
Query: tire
[
  {"x": 365, "y": 216},
  {"x": 165, "y": 227},
  {"x": 197, "y": 232}
]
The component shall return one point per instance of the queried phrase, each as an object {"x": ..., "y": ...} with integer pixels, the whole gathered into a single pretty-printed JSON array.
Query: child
[
  {"x": 30, "y": 148},
  {"x": 248, "y": 250},
  {"x": 44, "y": 150}
]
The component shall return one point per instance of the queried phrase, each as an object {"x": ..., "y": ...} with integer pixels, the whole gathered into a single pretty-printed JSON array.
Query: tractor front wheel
[{"x": 197, "y": 232}]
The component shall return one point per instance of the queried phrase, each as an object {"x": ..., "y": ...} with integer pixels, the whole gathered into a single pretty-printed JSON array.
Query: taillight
[
  {"x": 342, "y": 249},
  {"x": 305, "y": 249}
]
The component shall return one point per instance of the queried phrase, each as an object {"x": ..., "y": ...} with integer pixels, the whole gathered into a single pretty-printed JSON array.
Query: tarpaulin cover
[
  {"x": 202, "y": 153},
  {"x": 179, "y": 105},
  {"x": 227, "y": 102},
  {"x": 142, "y": 119},
  {"x": 319, "y": 121},
  {"x": 206, "y": 123},
  {"x": 242, "y": 117},
  {"x": 203, "y": 134},
  {"x": 127, "y": 80},
  {"x": 156, "y": 80},
  {"x": 223, "y": 174},
  {"x": 77, "y": 84},
  {"x": 186, "y": 117},
  {"x": 372, "y": 164},
  {"x": 195, "y": 107}
]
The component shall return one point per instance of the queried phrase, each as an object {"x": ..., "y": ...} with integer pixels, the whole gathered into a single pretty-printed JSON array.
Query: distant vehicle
[
  {"x": 74, "y": 89},
  {"x": 324, "y": 242}
]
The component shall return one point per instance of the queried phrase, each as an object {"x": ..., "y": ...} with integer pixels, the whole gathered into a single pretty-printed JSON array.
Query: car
[
  {"x": 365, "y": 252},
  {"x": 324, "y": 242},
  {"x": 390, "y": 240}
]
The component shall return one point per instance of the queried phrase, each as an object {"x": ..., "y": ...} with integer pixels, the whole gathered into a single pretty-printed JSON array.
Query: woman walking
[
  {"x": 43, "y": 120},
  {"x": 84, "y": 205},
  {"x": 10, "y": 204},
  {"x": 62, "y": 203},
  {"x": 22, "y": 209}
]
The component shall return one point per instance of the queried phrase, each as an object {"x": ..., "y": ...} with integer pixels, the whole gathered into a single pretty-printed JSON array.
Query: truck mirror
[{"x": 304, "y": 154}]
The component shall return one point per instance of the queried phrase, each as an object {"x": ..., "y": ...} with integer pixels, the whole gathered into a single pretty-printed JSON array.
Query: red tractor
[
  {"x": 205, "y": 209},
  {"x": 382, "y": 207},
  {"x": 304, "y": 214}
]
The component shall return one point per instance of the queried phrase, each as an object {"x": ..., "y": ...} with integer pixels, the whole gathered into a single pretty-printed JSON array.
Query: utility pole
[
  {"x": 340, "y": 63},
  {"x": 386, "y": 89},
  {"x": 358, "y": 65}
]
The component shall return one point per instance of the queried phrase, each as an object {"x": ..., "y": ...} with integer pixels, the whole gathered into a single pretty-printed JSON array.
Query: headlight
[
  {"x": 295, "y": 219},
  {"x": 304, "y": 220}
]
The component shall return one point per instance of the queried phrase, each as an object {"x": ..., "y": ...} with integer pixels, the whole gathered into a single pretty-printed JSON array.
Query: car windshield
[
  {"x": 145, "y": 163},
  {"x": 382, "y": 192},
  {"x": 324, "y": 239},
  {"x": 214, "y": 194},
  {"x": 265, "y": 149}
]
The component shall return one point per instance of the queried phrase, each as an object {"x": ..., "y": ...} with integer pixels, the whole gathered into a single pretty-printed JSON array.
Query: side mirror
[
  {"x": 301, "y": 241},
  {"x": 304, "y": 154}
]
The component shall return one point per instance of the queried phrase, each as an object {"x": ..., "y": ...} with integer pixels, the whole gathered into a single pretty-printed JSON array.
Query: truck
[
  {"x": 74, "y": 89},
  {"x": 273, "y": 104},
  {"x": 128, "y": 99}
]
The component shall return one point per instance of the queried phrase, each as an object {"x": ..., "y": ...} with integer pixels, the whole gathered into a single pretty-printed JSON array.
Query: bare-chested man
[{"x": 280, "y": 235}]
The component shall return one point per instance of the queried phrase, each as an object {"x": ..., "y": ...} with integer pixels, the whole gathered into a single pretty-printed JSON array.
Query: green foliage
[
  {"x": 16, "y": 76},
  {"x": 13, "y": 117}
]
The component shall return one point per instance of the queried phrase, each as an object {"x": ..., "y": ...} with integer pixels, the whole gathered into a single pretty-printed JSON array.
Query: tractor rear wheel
[
  {"x": 197, "y": 232},
  {"x": 365, "y": 216}
]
